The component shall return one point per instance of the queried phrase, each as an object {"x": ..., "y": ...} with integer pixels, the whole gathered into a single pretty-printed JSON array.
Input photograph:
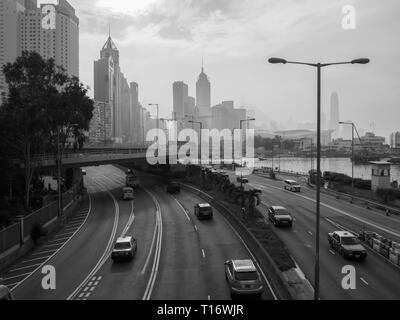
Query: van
[
  {"x": 292, "y": 185},
  {"x": 128, "y": 193},
  {"x": 203, "y": 211}
]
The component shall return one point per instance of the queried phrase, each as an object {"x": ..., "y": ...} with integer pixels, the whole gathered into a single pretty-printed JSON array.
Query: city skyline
[{"x": 237, "y": 38}]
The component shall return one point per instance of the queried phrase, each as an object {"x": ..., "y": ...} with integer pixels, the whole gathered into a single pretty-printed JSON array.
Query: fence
[{"x": 10, "y": 237}]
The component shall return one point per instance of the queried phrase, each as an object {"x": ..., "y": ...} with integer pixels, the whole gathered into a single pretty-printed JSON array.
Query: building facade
[
  {"x": 22, "y": 28},
  {"x": 395, "y": 141}
]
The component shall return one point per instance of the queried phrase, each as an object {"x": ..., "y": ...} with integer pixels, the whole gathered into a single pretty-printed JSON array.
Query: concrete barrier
[{"x": 288, "y": 285}]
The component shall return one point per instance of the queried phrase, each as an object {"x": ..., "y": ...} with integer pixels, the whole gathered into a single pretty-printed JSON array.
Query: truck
[{"x": 347, "y": 245}]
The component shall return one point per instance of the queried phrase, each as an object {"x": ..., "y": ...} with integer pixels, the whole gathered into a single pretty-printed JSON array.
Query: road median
[{"x": 268, "y": 249}]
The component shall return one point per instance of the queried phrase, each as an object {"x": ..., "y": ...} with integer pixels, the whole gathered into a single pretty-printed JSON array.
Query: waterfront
[{"x": 340, "y": 165}]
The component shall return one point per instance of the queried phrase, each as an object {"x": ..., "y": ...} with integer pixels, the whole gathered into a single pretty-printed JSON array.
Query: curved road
[
  {"x": 178, "y": 256},
  {"x": 376, "y": 277}
]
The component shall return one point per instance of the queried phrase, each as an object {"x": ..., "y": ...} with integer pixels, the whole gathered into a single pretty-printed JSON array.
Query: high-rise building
[
  {"x": 203, "y": 98},
  {"x": 334, "y": 120},
  {"x": 181, "y": 95},
  {"x": 21, "y": 29},
  {"x": 395, "y": 140},
  {"x": 111, "y": 86}
]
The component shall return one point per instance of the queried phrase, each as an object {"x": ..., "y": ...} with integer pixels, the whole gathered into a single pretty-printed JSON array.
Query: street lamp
[
  {"x": 201, "y": 129},
  {"x": 352, "y": 151},
  {"x": 319, "y": 66}
]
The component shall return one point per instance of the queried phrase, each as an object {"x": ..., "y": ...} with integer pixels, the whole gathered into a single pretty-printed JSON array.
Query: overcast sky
[{"x": 162, "y": 41}]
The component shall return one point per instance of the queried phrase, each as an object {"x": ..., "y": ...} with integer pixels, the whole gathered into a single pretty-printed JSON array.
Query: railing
[{"x": 10, "y": 237}]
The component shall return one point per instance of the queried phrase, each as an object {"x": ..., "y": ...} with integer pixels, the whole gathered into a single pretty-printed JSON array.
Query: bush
[
  {"x": 37, "y": 232},
  {"x": 388, "y": 195}
]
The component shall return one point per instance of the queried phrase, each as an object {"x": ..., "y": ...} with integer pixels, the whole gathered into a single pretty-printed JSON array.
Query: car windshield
[
  {"x": 122, "y": 245},
  {"x": 349, "y": 240},
  {"x": 246, "y": 276},
  {"x": 281, "y": 212}
]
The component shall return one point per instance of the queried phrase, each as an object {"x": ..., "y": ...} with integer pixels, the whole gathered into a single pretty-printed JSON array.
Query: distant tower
[
  {"x": 203, "y": 90},
  {"x": 334, "y": 121}
]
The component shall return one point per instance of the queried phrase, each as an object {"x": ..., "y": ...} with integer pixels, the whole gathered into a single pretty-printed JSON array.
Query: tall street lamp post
[{"x": 319, "y": 66}]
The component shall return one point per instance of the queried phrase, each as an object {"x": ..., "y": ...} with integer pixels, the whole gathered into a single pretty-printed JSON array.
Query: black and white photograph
[{"x": 188, "y": 152}]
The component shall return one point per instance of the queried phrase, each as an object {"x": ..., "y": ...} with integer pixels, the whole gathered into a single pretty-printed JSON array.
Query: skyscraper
[
  {"x": 181, "y": 95},
  {"x": 334, "y": 120},
  {"x": 21, "y": 29},
  {"x": 111, "y": 86},
  {"x": 203, "y": 98}
]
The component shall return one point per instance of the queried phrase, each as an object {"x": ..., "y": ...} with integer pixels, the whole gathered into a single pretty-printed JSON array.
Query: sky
[{"x": 162, "y": 41}]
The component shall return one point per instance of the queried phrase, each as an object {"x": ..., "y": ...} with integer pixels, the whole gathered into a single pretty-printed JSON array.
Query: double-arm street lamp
[{"x": 319, "y": 66}]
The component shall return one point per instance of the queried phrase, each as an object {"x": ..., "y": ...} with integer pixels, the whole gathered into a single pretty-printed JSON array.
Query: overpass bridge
[{"x": 90, "y": 157}]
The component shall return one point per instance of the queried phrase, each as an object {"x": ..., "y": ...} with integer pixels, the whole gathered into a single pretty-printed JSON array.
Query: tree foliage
[{"x": 42, "y": 101}]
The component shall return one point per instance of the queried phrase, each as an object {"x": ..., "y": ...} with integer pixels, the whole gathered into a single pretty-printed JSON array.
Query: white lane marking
[
  {"x": 62, "y": 235},
  {"x": 244, "y": 244},
  {"x": 87, "y": 295},
  {"x": 52, "y": 245},
  {"x": 81, "y": 295},
  {"x": 363, "y": 280},
  {"x": 331, "y": 251},
  {"x": 27, "y": 267},
  {"x": 151, "y": 249},
  {"x": 92, "y": 289},
  {"x": 153, "y": 276},
  {"x": 108, "y": 247},
  {"x": 130, "y": 220},
  {"x": 31, "y": 260},
  {"x": 203, "y": 253},
  {"x": 181, "y": 206},
  {"x": 58, "y": 240},
  {"x": 43, "y": 252},
  {"x": 86, "y": 289},
  {"x": 209, "y": 298},
  {"x": 338, "y": 211},
  {"x": 18, "y": 276},
  {"x": 310, "y": 233},
  {"x": 195, "y": 228}
]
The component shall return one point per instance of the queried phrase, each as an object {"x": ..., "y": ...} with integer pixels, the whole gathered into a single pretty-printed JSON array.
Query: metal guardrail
[{"x": 353, "y": 198}]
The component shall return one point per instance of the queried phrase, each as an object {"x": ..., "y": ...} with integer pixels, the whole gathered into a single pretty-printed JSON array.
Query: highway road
[
  {"x": 376, "y": 277},
  {"x": 178, "y": 256}
]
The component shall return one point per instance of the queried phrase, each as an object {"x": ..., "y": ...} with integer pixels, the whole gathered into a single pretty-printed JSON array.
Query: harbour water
[{"x": 340, "y": 165}]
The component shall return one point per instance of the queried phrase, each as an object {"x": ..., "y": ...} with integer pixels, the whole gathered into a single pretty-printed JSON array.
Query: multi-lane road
[
  {"x": 178, "y": 256},
  {"x": 182, "y": 258},
  {"x": 376, "y": 278}
]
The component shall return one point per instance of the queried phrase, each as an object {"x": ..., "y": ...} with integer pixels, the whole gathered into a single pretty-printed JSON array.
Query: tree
[{"x": 41, "y": 99}]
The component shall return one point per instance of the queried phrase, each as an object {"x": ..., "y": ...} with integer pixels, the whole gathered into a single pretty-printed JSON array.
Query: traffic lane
[
  {"x": 219, "y": 244},
  {"x": 376, "y": 218},
  {"x": 375, "y": 274},
  {"x": 79, "y": 256},
  {"x": 181, "y": 273},
  {"x": 127, "y": 281},
  {"x": 300, "y": 241}
]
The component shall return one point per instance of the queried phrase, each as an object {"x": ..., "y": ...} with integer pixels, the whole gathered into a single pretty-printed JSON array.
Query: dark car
[
  {"x": 203, "y": 211},
  {"x": 242, "y": 180},
  {"x": 125, "y": 249},
  {"x": 347, "y": 244},
  {"x": 280, "y": 217},
  {"x": 173, "y": 188}
]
